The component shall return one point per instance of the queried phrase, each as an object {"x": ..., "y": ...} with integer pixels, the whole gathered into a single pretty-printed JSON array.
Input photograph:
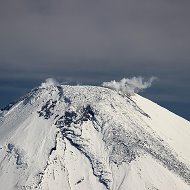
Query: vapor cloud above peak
[
  {"x": 49, "y": 82},
  {"x": 130, "y": 86}
]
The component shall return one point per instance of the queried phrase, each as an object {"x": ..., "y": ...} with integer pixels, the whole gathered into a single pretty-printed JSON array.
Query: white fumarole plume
[
  {"x": 49, "y": 82},
  {"x": 129, "y": 86}
]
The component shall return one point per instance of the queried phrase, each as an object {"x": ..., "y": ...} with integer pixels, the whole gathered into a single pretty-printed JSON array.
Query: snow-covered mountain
[{"x": 62, "y": 137}]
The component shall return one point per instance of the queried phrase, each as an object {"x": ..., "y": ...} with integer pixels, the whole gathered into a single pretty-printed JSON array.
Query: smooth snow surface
[{"x": 61, "y": 137}]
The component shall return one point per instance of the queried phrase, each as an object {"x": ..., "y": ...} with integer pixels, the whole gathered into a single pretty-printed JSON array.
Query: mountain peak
[{"x": 88, "y": 137}]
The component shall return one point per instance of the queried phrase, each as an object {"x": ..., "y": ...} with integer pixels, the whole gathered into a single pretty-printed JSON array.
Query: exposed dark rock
[
  {"x": 79, "y": 181},
  {"x": 8, "y": 107},
  {"x": 47, "y": 110}
]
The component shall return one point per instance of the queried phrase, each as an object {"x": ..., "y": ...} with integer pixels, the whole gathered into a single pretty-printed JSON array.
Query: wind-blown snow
[
  {"x": 49, "y": 82},
  {"x": 85, "y": 137},
  {"x": 129, "y": 86}
]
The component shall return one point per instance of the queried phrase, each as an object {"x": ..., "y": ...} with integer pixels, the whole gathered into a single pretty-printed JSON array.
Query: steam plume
[{"x": 129, "y": 86}]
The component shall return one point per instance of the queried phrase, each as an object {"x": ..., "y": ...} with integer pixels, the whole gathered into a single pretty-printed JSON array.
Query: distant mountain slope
[{"x": 61, "y": 137}]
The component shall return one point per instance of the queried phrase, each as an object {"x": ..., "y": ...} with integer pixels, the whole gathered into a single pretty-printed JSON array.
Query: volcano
[{"x": 61, "y": 137}]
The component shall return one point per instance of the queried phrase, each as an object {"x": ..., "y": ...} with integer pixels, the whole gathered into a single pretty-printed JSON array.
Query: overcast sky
[{"x": 90, "y": 41}]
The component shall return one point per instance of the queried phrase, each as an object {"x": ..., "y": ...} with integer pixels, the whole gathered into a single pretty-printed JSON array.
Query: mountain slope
[{"x": 86, "y": 137}]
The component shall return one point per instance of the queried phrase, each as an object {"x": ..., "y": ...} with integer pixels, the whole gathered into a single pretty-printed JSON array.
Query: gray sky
[{"x": 91, "y": 41}]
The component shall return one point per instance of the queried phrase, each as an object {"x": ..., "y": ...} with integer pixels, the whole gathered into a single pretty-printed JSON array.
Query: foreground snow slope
[{"x": 84, "y": 137}]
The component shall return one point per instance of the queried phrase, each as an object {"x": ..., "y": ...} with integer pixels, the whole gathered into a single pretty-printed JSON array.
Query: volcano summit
[{"x": 61, "y": 137}]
